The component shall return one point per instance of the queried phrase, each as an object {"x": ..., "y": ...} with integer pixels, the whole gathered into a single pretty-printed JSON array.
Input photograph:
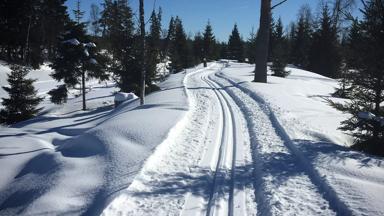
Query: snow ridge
[{"x": 328, "y": 193}]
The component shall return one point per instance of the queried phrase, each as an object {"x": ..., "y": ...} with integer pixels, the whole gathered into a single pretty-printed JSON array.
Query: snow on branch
[{"x": 73, "y": 41}]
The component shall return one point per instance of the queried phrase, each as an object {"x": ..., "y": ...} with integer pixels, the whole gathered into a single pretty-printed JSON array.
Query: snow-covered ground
[
  {"x": 211, "y": 142},
  {"x": 70, "y": 161},
  {"x": 256, "y": 149}
]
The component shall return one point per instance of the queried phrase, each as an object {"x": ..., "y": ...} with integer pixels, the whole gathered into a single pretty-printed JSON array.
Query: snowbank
[
  {"x": 73, "y": 162},
  {"x": 299, "y": 101}
]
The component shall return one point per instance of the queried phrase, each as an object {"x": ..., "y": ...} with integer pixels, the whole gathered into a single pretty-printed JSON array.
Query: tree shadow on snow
[{"x": 334, "y": 154}]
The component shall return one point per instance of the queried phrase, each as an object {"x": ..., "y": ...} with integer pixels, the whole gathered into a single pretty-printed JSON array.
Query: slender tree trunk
[
  {"x": 83, "y": 89},
  {"x": 142, "y": 35},
  {"x": 263, "y": 42},
  {"x": 26, "y": 48}
]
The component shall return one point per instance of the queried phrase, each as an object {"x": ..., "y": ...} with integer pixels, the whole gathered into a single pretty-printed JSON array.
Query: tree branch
[{"x": 278, "y": 4}]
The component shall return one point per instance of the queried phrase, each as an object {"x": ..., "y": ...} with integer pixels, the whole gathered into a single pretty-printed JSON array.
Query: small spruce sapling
[{"x": 23, "y": 100}]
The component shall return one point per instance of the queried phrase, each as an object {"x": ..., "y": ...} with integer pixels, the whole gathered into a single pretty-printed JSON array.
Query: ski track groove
[
  {"x": 320, "y": 183},
  {"x": 220, "y": 96}
]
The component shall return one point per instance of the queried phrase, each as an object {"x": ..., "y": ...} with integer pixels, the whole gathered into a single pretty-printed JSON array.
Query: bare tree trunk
[
  {"x": 26, "y": 48},
  {"x": 142, "y": 35},
  {"x": 263, "y": 42},
  {"x": 83, "y": 89}
]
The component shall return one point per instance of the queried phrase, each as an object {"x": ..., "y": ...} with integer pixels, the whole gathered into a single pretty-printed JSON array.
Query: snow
[
  {"x": 211, "y": 141},
  {"x": 122, "y": 96},
  {"x": 366, "y": 115},
  {"x": 73, "y": 41},
  {"x": 67, "y": 161}
]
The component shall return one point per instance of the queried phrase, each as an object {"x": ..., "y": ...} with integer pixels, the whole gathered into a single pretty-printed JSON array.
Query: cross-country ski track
[{"x": 228, "y": 156}]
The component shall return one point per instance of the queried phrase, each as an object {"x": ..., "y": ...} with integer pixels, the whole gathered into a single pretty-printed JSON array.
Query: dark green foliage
[
  {"x": 198, "y": 48},
  {"x": 59, "y": 95},
  {"x": 180, "y": 49},
  {"x": 235, "y": 46},
  {"x": 366, "y": 122},
  {"x": 279, "y": 54},
  {"x": 153, "y": 47},
  {"x": 301, "y": 42},
  {"x": 345, "y": 82},
  {"x": 209, "y": 43},
  {"x": 251, "y": 48},
  {"x": 30, "y": 29},
  {"x": 122, "y": 44},
  {"x": 325, "y": 50},
  {"x": 77, "y": 58},
  {"x": 22, "y": 101}
]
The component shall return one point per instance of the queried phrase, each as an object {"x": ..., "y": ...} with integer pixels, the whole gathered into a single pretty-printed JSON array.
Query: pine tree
[
  {"x": 29, "y": 28},
  {"x": 209, "y": 43},
  {"x": 78, "y": 58},
  {"x": 302, "y": 39},
  {"x": 325, "y": 49},
  {"x": 198, "y": 48},
  {"x": 279, "y": 52},
  {"x": 23, "y": 101},
  {"x": 153, "y": 46},
  {"x": 122, "y": 44},
  {"x": 366, "y": 123},
  {"x": 236, "y": 45},
  {"x": 180, "y": 51},
  {"x": 95, "y": 20},
  {"x": 251, "y": 47},
  {"x": 78, "y": 12}
]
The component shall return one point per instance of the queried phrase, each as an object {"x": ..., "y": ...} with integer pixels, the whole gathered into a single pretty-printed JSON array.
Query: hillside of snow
[
  {"x": 209, "y": 140},
  {"x": 70, "y": 161}
]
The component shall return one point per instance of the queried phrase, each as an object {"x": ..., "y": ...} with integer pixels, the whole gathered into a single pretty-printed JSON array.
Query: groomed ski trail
[
  {"x": 196, "y": 171},
  {"x": 287, "y": 184}
]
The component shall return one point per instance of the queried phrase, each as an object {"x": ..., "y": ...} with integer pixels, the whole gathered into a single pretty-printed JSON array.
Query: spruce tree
[
  {"x": 209, "y": 43},
  {"x": 198, "y": 48},
  {"x": 180, "y": 55},
  {"x": 366, "y": 123},
  {"x": 302, "y": 39},
  {"x": 325, "y": 57},
  {"x": 78, "y": 58},
  {"x": 236, "y": 45},
  {"x": 22, "y": 101},
  {"x": 29, "y": 28},
  {"x": 153, "y": 47},
  {"x": 279, "y": 52},
  {"x": 251, "y": 47},
  {"x": 122, "y": 44}
]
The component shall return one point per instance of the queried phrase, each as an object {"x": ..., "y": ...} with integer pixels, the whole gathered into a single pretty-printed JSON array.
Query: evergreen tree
[
  {"x": 180, "y": 55},
  {"x": 22, "y": 101},
  {"x": 209, "y": 43},
  {"x": 76, "y": 60},
  {"x": 352, "y": 44},
  {"x": 153, "y": 47},
  {"x": 170, "y": 36},
  {"x": 95, "y": 20},
  {"x": 279, "y": 52},
  {"x": 29, "y": 28},
  {"x": 122, "y": 44},
  {"x": 198, "y": 48},
  {"x": 325, "y": 52},
  {"x": 236, "y": 45},
  {"x": 78, "y": 12},
  {"x": 366, "y": 123},
  {"x": 251, "y": 47},
  {"x": 302, "y": 39}
]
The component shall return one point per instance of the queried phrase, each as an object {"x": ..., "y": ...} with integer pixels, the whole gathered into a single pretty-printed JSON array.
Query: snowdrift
[{"x": 71, "y": 162}]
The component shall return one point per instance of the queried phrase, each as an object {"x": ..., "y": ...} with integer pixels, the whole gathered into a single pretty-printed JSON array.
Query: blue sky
[{"x": 223, "y": 14}]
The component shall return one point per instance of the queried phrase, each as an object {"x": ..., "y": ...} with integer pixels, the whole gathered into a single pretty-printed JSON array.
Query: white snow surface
[
  {"x": 210, "y": 142},
  {"x": 67, "y": 161},
  {"x": 256, "y": 149}
]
